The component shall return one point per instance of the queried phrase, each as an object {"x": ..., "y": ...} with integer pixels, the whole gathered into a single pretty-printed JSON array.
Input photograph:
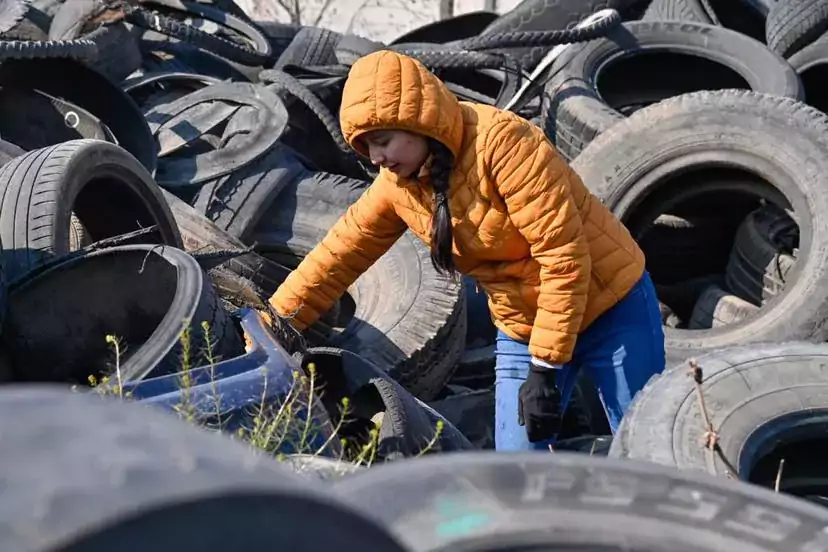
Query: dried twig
[
  {"x": 779, "y": 475},
  {"x": 711, "y": 436}
]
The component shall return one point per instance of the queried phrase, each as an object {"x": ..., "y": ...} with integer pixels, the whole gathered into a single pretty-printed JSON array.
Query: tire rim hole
[
  {"x": 659, "y": 75},
  {"x": 688, "y": 228},
  {"x": 802, "y": 473},
  {"x": 107, "y": 207}
]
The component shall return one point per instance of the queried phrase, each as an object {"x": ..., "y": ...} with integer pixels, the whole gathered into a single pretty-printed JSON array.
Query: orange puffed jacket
[{"x": 549, "y": 255}]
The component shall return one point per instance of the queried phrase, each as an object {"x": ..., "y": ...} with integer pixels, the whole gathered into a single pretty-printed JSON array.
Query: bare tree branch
[{"x": 322, "y": 11}]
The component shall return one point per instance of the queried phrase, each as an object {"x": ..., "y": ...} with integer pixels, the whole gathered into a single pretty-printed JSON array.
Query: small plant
[{"x": 270, "y": 426}]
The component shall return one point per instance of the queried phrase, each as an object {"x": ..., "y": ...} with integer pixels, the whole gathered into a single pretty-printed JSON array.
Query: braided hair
[{"x": 441, "y": 234}]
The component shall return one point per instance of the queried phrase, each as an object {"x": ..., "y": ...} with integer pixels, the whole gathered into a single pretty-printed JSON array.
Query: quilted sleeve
[
  {"x": 535, "y": 184},
  {"x": 362, "y": 235}
]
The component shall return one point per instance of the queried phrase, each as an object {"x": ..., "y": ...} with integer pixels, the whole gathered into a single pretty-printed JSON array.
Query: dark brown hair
[{"x": 442, "y": 161}]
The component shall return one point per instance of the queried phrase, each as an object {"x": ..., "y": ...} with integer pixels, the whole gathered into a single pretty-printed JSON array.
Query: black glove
[{"x": 539, "y": 404}]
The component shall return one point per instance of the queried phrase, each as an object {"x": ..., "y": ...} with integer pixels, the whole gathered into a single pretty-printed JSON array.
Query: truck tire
[
  {"x": 778, "y": 141},
  {"x": 590, "y": 90},
  {"x": 760, "y": 399}
]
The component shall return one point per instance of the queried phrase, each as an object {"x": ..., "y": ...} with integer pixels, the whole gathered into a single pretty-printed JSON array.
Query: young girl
[{"x": 484, "y": 188}]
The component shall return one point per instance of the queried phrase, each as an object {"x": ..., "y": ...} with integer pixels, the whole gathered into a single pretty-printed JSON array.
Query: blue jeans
[{"x": 621, "y": 350}]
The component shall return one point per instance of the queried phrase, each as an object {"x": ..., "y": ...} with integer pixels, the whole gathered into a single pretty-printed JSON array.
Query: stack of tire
[
  {"x": 701, "y": 127},
  {"x": 215, "y": 162}
]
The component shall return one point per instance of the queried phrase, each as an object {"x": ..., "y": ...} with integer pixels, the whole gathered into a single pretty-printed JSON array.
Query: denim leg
[
  {"x": 511, "y": 368},
  {"x": 623, "y": 348}
]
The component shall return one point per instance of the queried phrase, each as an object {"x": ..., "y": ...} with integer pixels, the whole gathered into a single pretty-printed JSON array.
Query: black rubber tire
[
  {"x": 409, "y": 320},
  {"x": 745, "y": 16},
  {"x": 292, "y": 90},
  {"x": 525, "y": 501},
  {"x": 548, "y": 15},
  {"x": 255, "y": 54},
  {"x": 237, "y": 202},
  {"x": 763, "y": 135},
  {"x": 793, "y": 24},
  {"x": 145, "y": 479},
  {"x": 755, "y": 395},
  {"x": 109, "y": 191},
  {"x": 58, "y": 319},
  {"x": 311, "y": 46},
  {"x": 577, "y": 108},
  {"x": 811, "y": 64},
  {"x": 253, "y": 113},
  {"x": 352, "y": 47},
  {"x": 118, "y": 53},
  {"x": 279, "y": 34},
  {"x": 78, "y": 84},
  {"x": 717, "y": 308},
  {"x": 762, "y": 258},
  {"x": 408, "y": 424}
]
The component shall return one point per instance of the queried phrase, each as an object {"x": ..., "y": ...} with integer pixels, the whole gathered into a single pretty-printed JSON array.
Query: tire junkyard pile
[{"x": 164, "y": 164}]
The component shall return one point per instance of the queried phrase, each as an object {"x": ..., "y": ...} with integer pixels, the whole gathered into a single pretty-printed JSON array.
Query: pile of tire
[{"x": 214, "y": 163}]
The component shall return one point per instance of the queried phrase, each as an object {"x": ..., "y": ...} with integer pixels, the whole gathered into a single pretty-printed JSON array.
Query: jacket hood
[{"x": 387, "y": 90}]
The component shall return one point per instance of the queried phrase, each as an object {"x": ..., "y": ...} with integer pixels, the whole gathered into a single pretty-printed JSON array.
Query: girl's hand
[{"x": 539, "y": 404}]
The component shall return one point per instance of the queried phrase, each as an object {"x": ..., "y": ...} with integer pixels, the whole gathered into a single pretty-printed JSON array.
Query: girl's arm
[
  {"x": 535, "y": 184},
  {"x": 362, "y": 235}
]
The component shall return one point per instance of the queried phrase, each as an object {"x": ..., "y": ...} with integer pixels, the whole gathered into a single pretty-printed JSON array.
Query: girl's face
[{"x": 399, "y": 151}]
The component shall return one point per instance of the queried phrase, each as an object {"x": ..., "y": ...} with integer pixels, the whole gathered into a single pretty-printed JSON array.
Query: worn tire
[
  {"x": 525, "y": 501},
  {"x": 757, "y": 397},
  {"x": 409, "y": 320},
  {"x": 310, "y": 46},
  {"x": 105, "y": 186},
  {"x": 745, "y": 16},
  {"x": 716, "y": 308},
  {"x": 236, "y": 202},
  {"x": 143, "y": 478},
  {"x": 793, "y": 24},
  {"x": 577, "y": 107},
  {"x": 763, "y": 255},
  {"x": 143, "y": 295},
  {"x": 777, "y": 139}
]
